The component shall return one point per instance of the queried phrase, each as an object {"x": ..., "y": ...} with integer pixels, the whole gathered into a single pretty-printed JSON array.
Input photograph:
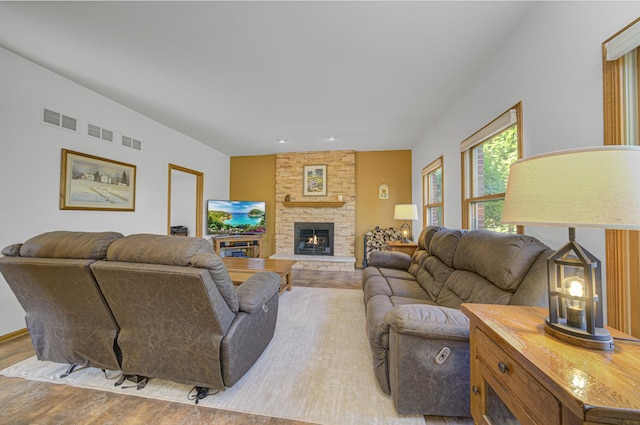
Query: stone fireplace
[
  {"x": 312, "y": 238},
  {"x": 337, "y": 207}
]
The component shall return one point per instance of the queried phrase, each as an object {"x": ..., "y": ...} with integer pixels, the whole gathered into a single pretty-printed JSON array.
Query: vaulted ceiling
[{"x": 238, "y": 75}]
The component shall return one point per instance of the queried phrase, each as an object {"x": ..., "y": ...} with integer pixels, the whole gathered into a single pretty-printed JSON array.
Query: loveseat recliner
[
  {"x": 179, "y": 314},
  {"x": 152, "y": 306},
  {"x": 418, "y": 336},
  {"x": 66, "y": 315}
]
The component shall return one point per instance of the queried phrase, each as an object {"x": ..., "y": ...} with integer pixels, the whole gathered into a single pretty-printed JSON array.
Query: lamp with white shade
[
  {"x": 405, "y": 212},
  {"x": 591, "y": 187}
]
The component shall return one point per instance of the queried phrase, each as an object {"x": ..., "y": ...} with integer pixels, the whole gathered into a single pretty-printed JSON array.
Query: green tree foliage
[
  {"x": 499, "y": 153},
  {"x": 436, "y": 186}
]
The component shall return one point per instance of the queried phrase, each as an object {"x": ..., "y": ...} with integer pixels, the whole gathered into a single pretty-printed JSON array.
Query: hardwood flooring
[{"x": 31, "y": 402}]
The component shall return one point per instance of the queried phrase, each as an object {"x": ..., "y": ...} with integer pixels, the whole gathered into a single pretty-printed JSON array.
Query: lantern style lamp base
[
  {"x": 405, "y": 231},
  {"x": 601, "y": 340}
]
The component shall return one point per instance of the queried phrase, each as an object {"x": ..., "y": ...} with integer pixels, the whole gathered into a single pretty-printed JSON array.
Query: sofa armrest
[
  {"x": 428, "y": 321},
  {"x": 12, "y": 250},
  {"x": 255, "y": 291},
  {"x": 390, "y": 259}
]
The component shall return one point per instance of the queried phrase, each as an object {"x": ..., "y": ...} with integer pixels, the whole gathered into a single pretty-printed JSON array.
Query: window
[
  {"x": 486, "y": 158},
  {"x": 432, "y": 190},
  {"x": 622, "y": 127}
]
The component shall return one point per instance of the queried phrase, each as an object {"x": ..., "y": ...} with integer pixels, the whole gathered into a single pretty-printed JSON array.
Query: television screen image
[{"x": 235, "y": 217}]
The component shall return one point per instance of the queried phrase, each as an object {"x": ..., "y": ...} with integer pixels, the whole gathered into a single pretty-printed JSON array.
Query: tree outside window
[{"x": 486, "y": 158}]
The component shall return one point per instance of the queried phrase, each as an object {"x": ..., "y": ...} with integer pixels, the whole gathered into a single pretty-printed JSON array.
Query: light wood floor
[{"x": 31, "y": 402}]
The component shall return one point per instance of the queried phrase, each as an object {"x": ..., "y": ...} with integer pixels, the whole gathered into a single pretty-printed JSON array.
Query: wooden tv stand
[{"x": 249, "y": 244}]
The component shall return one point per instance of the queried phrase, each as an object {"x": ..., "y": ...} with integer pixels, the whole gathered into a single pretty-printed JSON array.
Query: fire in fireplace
[{"x": 313, "y": 238}]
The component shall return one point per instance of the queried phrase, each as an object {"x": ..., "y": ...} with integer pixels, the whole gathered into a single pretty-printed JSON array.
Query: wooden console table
[
  {"x": 249, "y": 244},
  {"x": 520, "y": 373}
]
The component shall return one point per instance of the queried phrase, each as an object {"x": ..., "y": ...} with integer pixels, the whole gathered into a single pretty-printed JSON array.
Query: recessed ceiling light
[
  {"x": 332, "y": 138},
  {"x": 282, "y": 141}
]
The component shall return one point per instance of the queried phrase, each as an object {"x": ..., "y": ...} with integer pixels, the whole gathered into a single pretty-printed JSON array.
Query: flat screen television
[{"x": 235, "y": 217}]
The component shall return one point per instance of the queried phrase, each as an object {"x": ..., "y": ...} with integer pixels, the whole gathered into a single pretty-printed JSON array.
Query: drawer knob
[
  {"x": 503, "y": 367},
  {"x": 475, "y": 390}
]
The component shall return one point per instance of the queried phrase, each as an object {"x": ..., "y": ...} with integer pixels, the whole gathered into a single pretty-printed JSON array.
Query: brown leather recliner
[
  {"x": 180, "y": 316},
  {"x": 66, "y": 315}
]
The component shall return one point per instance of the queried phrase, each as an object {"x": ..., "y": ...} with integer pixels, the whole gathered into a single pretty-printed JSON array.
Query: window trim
[
  {"x": 434, "y": 166},
  {"x": 505, "y": 120},
  {"x": 622, "y": 246}
]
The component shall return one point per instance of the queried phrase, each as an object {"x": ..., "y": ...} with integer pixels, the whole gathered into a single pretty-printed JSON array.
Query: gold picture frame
[
  {"x": 315, "y": 180},
  {"x": 89, "y": 182}
]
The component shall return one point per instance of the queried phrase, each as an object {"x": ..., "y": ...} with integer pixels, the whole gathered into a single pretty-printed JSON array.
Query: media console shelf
[{"x": 248, "y": 244}]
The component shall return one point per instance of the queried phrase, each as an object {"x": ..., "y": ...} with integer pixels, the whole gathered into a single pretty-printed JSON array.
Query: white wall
[
  {"x": 553, "y": 64},
  {"x": 30, "y": 163}
]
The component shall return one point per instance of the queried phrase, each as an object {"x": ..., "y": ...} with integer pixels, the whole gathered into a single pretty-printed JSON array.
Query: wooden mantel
[{"x": 313, "y": 204}]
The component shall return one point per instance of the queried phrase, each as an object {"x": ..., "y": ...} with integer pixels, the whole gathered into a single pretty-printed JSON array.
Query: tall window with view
[
  {"x": 486, "y": 158},
  {"x": 432, "y": 184}
]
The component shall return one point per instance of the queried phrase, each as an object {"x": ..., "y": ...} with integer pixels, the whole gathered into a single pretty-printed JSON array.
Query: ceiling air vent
[
  {"x": 100, "y": 133},
  {"x": 57, "y": 119}
]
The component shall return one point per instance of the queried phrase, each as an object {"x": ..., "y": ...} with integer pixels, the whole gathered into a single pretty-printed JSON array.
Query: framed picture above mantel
[
  {"x": 315, "y": 180},
  {"x": 89, "y": 182}
]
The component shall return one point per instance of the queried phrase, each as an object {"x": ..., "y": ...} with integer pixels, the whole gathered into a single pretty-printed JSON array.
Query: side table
[
  {"x": 519, "y": 374},
  {"x": 406, "y": 247}
]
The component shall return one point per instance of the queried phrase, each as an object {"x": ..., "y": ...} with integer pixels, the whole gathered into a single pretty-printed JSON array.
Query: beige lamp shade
[
  {"x": 406, "y": 212},
  {"x": 593, "y": 187}
]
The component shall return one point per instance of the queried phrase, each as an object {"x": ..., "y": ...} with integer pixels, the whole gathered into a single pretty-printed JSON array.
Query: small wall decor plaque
[{"x": 383, "y": 191}]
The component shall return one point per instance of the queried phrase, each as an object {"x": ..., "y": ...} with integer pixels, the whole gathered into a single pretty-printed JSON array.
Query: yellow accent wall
[
  {"x": 253, "y": 178},
  {"x": 374, "y": 168}
]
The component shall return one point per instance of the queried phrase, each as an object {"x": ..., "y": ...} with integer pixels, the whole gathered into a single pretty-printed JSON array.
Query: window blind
[
  {"x": 623, "y": 42},
  {"x": 505, "y": 120},
  {"x": 433, "y": 166}
]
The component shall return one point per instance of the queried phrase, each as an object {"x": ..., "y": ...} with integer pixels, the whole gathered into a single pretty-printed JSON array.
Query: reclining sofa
[
  {"x": 418, "y": 336},
  {"x": 67, "y": 317},
  {"x": 152, "y": 306}
]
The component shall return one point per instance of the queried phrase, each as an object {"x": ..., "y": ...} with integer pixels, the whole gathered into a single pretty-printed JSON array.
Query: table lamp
[
  {"x": 592, "y": 187},
  {"x": 405, "y": 212}
]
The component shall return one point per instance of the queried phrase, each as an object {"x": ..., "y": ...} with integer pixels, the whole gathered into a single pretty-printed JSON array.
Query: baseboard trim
[{"x": 16, "y": 334}]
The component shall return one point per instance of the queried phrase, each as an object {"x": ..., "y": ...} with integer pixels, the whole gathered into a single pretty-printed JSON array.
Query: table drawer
[{"x": 539, "y": 404}]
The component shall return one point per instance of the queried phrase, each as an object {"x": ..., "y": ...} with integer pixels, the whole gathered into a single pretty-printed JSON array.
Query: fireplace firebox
[{"x": 313, "y": 238}]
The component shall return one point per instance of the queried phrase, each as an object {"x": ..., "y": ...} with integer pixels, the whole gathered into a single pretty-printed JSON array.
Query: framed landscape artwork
[
  {"x": 89, "y": 182},
  {"x": 315, "y": 180}
]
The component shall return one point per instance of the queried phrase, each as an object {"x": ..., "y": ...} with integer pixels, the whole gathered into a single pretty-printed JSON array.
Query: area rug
[{"x": 318, "y": 368}]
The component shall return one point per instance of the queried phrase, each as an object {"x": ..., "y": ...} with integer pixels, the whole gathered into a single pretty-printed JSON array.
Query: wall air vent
[
  {"x": 57, "y": 119},
  {"x": 132, "y": 143},
  {"x": 100, "y": 133}
]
